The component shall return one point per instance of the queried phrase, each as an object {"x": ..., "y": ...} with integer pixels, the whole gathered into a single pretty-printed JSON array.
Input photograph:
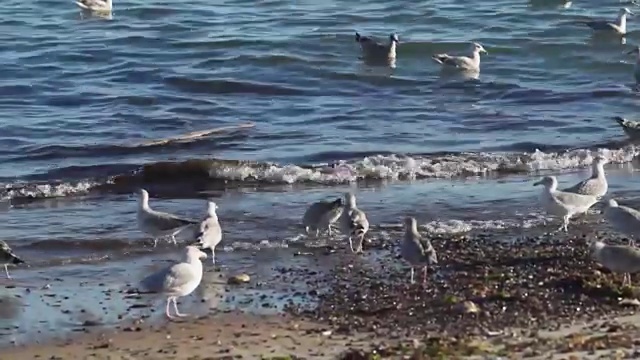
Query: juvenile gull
[
  {"x": 177, "y": 280},
  {"x": 159, "y": 224},
  {"x": 320, "y": 215},
  {"x": 462, "y": 62},
  {"x": 623, "y": 219},
  {"x": 95, "y": 5},
  {"x": 373, "y": 50},
  {"x": 560, "y": 203},
  {"x": 416, "y": 250},
  {"x": 210, "y": 232},
  {"x": 617, "y": 258},
  {"x": 619, "y": 26},
  {"x": 8, "y": 257},
  {"x": 353, "y": 222},
  {"x": 630, "y": 127},
  {"x": 596, "y": 185}
]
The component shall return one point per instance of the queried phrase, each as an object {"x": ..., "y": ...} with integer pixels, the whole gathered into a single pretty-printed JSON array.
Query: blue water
[{"x": 83, "y": 96}]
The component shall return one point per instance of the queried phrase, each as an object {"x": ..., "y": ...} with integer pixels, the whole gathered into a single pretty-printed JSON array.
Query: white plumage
[
  {"x": 597, "y": 184},
  {"x": 563, "y": 204},
  {"x": 623, "y": 219},
  {"x": 469, "y": 63},
  {"x": 416, "y": 250},
  {"x": 95, "y": 5},
  {"x": 159, "y": 224},
  {"x": 619, "y": 26},
  {"x": 210, "y": 232},
  {"x": 353, "y": 222}
]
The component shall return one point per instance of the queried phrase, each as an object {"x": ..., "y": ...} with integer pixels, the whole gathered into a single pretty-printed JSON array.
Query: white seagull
[
  {"x": 353, "y": 222},
  {"x": 210, "y": 232},
  {"x": 597, "y": 184},
  {"x": 619, "y": 26},
  {"x": 95, "y": 5},
  {"x": 564, "y": 204},
  {"x": 159, "y": 224},
  {"x": 416, "y": 250},
  {"x": 469, "y": 63}
]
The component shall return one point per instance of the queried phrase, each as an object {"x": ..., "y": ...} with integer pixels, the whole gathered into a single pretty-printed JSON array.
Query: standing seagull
[
  {"x": 630, "y": 127},
  {"x": 177, "y": 280},
  {"x": 471, "y": 63},
  {"x": 210, "y": 232},
  {"x": 8, "y": 257},
  {"x": 596, "y": 185},
  {"x": 95, "y": 5},
  {"x": 617, "y": 258},
  {"x": 417, "y": 250},
  {"x": 353, "y": 222},
  {"x": 624, "y": 219},
  {"x": 619, "y": 26},
  {"x": 373, "y": 50},
  {"x": 562, "y": 203},
  {"x": 159, "y": 224},
  {"x": 321, "y": 215}
]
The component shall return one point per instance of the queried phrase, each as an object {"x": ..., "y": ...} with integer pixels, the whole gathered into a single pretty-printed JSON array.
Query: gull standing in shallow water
[
  {"x": 619, "y": 26},
  {"x": 159, "y": 224},
  {"x": 623, "y": 219},
  {"x": 416, "y": 250},
  {"x": 95, "y": 5},
  {"x": 617, "y": 258},
  {"x": 560, "y": 203},
  {"x": 596, "y": 185},
  {"x": 210, "y": 232},
  {"x": 321, "y": 215},
  {"x": 630, "y": 127},
  {"x": 375, "y": 51},
  {"x": 353, "y": 222},
  {"x": 468, "y": 63},
  {"x": 177, "y": 280},
  {"x": 8, "y": 257}
]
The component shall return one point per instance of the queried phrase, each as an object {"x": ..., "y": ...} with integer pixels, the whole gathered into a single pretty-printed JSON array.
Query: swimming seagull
[
  {"x": 596, "y": 185},
  {"x": 560, "y": 203},
  {"x": 636, "y": 66},
  {"x": 95, "y": 5},
  {"x": 210, "y": 232},
  {"x": 321, "y": 215},
  {"x": 159, "y": 224},
  {"x": 462, "y": 62},
  {"x": 617, "y": 258},
  {"x": 417, "y": 251},
  {"x": 373, "y": 50},
  {"x": 353, "y": 222},
  {"x": 630, "y": 127},
  {"x": 177, "y": 280},
  {"x": 623, "y": 218},
  {"x": 8, "y": 257},
  {"x": 618, "y": 27}
]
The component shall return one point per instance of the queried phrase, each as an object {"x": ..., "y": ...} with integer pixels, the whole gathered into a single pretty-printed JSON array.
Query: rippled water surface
[{"x": 85, "y": 99}]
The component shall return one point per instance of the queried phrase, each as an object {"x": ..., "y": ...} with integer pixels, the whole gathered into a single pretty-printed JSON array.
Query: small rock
[{"x": 239, "y": 279}]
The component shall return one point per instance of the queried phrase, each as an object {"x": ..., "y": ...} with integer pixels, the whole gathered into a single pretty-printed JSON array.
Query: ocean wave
[{"x": 381, "y": 167}]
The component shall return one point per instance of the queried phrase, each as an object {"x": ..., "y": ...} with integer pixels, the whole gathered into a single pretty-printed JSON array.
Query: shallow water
[{"x": 83, "y": 99}]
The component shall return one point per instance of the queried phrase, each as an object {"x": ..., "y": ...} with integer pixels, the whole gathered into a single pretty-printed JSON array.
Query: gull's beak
[
  {"x": 485, "y": 51},
  {"x": 537, "y": 183},
  {"x": 632, "y": 51}
]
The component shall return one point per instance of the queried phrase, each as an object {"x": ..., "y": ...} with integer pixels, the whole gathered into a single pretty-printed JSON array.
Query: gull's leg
[
  {"x": 6, "y": 270},
  {"x": 167, "y": 310},
  {"x": 306, "y": 230},
  {"x": 175, "y": 307},
  {"x": 360, "y": 244},
  {"x": 351, "y": 244},
  {"x": 173, "y": 239},
  {"x": 412, "y": 281},
  {"x": 424, "y": 275},
  {"x": 565, "y": 223},
  {"x": 213, "y": 256},
  {"x": 155, "y": 242},
  {"x": 317, "y": 232},
  {"x": 329, "y": 229},
  {"x": 631, "y": 242}
]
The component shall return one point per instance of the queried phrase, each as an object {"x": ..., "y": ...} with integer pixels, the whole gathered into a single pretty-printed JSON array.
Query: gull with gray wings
[
  {"x": 617, "y": 258},
  {"x": 563, "y": 204},
  {"x": 159, "y": 224},
  {"x": 353, "y": 222},
  {"x": 416, "y": 250},
  {"x": 8, "y": 257},
  {"x": 321, "y": 215}
]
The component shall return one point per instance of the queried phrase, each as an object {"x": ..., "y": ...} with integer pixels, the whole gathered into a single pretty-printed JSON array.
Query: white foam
[{"x": 46, "y": 190}]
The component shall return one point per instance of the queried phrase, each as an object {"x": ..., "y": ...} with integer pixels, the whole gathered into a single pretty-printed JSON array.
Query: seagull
[
  {"x": 596, "y": 185},
  {"x": 373, "y": 50},
  {"x": 417, "y": 250},
  {"x": 177, "y": 280},
  {"x": 8, "y": 257},
  {"x": 159, "y": 224},
  {"x": 623, "y": 218},
  {"x": 95, "y": 5},
  {"x": 619, "y": 26},
  {"x": 617, "y": 258},
  {"x": 636, "y": 66},
  {"x": 560, "y": 203},
  {"x": 471, "y": 63},
  {"x": 210, "y": 232},
  {"x": 630, "y": 127},
  {"x": 321, "y": 215},
  {"x": 353, "y": 222}
]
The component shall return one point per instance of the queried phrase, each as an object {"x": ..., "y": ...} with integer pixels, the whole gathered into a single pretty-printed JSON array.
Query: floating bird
[
  {"x": 617, "y": 258},
  {"x": 95, "y": 5},
  {"x": 210, "y": 232},
  {"x": 623, "y": 219},
  {"x": 417, "y": 251},
  {"x": 596, "y": 185},
  {"x": 560, "y": 203},
  {"x": 159, "y": 224},
  {"x": 177, "y": 280},
  {"x": 321, "y": 215},
  {"x": 353, "y": 222},
  {"x": 373, "y": 50},
  {"x": 8, "y": 257},
  {"x": 619, "y": 26},
  {"x": 630, "y": 127},
  {"x": 469, "y": 63}
]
